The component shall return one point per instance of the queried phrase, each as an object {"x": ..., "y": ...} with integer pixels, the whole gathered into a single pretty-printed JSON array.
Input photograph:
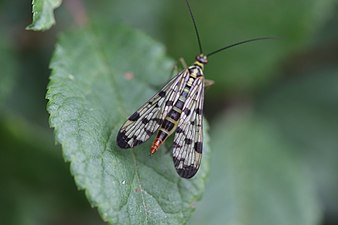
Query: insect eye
[{"x": 202, "y": 59}]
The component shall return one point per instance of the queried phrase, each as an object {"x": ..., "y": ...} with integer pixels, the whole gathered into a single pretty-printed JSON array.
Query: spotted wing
[
  {"x": 141, "y": 125},
  {"x": 188, "y": 140}
]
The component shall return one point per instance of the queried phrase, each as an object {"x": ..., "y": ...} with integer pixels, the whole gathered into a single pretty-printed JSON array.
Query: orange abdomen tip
[{"x": 156, "y": 144}]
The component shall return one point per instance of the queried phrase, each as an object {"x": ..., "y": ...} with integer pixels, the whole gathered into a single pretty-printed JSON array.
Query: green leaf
[
  {"x": 101, "y": 76},
  {"x": 305, "y": 109},
  {"x": 256, "y": 178},
  {"x": 43, "y": 14}
]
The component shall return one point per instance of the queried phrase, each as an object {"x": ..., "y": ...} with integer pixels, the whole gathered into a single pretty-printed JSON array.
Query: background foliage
[{"x": 272, "y": 111}]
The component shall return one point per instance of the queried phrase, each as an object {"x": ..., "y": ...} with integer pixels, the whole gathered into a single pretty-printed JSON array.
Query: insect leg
[
  {"x": 184, "y": 64},
  {"x": 208, "y": 83}
]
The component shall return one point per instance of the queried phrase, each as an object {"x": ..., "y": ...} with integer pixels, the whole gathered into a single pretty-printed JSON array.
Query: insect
[{"x": 176, "y": 108}]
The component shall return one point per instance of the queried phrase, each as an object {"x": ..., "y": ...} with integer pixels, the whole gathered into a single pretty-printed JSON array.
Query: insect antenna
[
  {"x": 195, "y": 27},
  {"x": 239, "y": 43},
  {"x": 221, "y": 49}
]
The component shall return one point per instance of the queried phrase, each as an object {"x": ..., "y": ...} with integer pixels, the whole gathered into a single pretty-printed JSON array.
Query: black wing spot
[
  {"x": 122, "y": 140},
  {"x": 145, "y": 120},
  {"x": 179, "y": 130},
  {"x": 177, "y": 161},
  {"x": 198, "y": 111},
  {"x": 169, "y": 103},
  {"x": 185, "y": 172},
  {"x": 198, "y": 147},
  {"x": 176, "y": 145},
  {"x": 137, "y": 142},
  {"x": 158, "y": 121},
  {"x": 161, "y": 94},
  {"x": 188, "y": 141},
  {"x": 149, "y": 133},
  {"x": 186, "y": 111},
  {"x": 134, "y": 117}
]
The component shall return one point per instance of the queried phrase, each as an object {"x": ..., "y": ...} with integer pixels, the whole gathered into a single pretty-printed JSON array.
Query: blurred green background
[{"x": 272, "y": 111}]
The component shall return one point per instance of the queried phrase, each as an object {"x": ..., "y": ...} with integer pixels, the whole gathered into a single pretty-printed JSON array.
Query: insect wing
[
  {"x": 142, "y": 124},
  {"x": 188, "y": 140}
]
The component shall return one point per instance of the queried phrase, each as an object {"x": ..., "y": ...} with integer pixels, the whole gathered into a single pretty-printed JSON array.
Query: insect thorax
[{"x": 196, "y": 70}]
